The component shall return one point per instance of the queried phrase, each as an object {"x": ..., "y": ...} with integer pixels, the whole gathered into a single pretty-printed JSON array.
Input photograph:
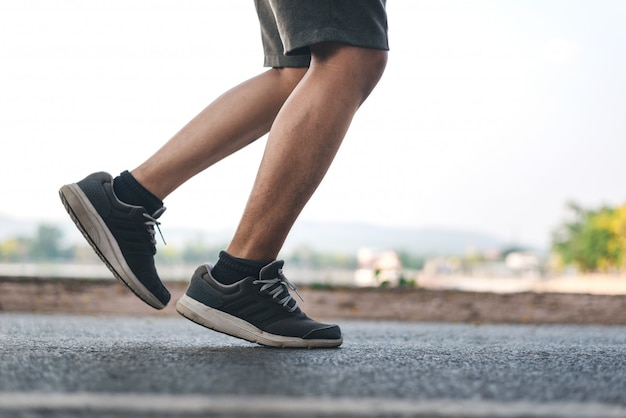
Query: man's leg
[
  {"x": 303, "y": 141},
  {"x": 231, "y": 122},
  {"x": 302, "y": 144}
]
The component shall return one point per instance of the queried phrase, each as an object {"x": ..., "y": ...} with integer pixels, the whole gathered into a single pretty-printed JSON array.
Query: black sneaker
[
  {"x": 259, "y": 310},
  {"x": 122, "y": 235}
]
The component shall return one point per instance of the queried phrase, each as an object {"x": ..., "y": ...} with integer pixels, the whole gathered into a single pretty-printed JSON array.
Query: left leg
[
  {"x": 302, "y": 144},
  {"x": 303, "y": 141},
  {"x": 246, "y": 294}
]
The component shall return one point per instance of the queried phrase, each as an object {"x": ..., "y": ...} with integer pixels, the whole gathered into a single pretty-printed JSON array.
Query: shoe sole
[
  {"x": 97, "y": 234},
  {"x": 236, "y": 327}
]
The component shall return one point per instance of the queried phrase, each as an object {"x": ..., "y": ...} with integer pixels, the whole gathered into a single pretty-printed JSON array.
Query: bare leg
[
  {"x": 303, "y": 141},
  {"x": 232, "y": 121}
]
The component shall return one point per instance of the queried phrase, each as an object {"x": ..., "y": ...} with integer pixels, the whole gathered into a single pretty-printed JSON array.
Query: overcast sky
[{"x": 490, "y": 116}]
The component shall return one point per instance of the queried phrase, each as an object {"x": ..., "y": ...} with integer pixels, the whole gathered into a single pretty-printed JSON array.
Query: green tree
[
  {"x": 304, "y": 256},
  {"x": 14, "y": 250},
  {"x": 199, "y": 252},
  {"x": 593, "y": 240},
  {"x": 47, "y": 244},
  {"x": 411, "y": 261}
]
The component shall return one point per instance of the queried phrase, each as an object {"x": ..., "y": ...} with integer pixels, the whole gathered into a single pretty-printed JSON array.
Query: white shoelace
[
  {"x": 151, "y": 223},
  {"x": 277, "y": 292}
]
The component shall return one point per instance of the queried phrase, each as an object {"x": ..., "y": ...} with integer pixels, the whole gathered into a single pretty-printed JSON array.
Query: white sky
[{"x": 490, "y": 116}]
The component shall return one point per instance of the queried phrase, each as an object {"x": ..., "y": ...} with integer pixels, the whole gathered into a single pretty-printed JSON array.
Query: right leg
[{"x": 231, "y": 122}]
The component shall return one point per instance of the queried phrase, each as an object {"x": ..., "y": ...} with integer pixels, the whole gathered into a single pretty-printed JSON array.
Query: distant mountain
[
  {"x": 350, "y": 237},
  {"x": 318, "y": 236}
]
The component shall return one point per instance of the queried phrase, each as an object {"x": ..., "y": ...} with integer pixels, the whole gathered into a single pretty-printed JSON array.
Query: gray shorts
[{"x": 289, "y": 27}]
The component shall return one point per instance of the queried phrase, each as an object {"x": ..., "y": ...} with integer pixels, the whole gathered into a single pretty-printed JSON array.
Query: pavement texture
[{"x": 114, "y": 366}]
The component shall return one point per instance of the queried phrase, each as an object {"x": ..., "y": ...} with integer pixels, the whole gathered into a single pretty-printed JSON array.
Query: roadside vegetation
[
  {"x": 592, "y": 240},
  {"x": 589, "y": 240}
]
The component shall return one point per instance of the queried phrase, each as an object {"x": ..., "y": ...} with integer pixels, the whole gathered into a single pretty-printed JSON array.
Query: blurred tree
[
  {"x": 617, "y": 226},
  {"x": 192, "y": 252},
  {"x": 593, "y": 240},
  {"x": 44, "y": 246},
  {"x": 14, "y": 250},
  {"x": 304, "y": 256},
  {"x": 411, "y": 261},
  {"x": 47, "y": 244},
  {"x": 199, "y": 252}
]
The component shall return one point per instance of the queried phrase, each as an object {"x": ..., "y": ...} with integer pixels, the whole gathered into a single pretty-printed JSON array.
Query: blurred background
[{"x": 490, "y": 156}]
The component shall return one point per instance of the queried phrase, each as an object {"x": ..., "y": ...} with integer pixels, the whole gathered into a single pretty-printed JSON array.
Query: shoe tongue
[{"x": 271, "y": 270}]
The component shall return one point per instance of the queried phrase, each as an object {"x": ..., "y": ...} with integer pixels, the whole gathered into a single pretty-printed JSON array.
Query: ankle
[
  {"x": 130, "y": 191},
  {"x": 229, "y": 269}
]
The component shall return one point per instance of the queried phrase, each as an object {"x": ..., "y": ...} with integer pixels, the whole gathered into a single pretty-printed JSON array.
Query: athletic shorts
[{"x": 289, "y": 27}]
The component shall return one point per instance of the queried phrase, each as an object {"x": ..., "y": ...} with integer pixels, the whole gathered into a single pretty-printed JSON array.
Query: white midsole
[
  {"x": 95, "y": 227},
  {"x": 236, "y": 327}
]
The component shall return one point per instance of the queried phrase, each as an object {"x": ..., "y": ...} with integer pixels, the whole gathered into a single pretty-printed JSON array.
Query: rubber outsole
[{"x": 95, "y": 231}]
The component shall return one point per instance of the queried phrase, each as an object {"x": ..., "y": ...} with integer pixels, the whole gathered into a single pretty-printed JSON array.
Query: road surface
[{"x": 114, "y": 366}]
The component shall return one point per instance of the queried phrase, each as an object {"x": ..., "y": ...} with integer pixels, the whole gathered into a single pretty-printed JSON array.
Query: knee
[
  {"x": 370, "y": 65},
  {"x": 361, "y": 68},
  {"x": 374, "y": 63},
  {"x": 289, "y": 76}
]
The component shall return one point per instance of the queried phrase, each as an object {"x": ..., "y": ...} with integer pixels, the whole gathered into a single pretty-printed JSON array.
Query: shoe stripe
[
  {"x": 237, "y": 302},
  {"x": 254, "y": 311}
]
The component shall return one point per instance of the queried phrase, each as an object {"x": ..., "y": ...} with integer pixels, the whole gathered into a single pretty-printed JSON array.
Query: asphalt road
[{"x": 104, "y": 366}]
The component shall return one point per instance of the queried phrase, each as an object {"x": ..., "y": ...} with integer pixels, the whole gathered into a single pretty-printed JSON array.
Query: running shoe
[
  {"x": 257, "y": 309},
  {"x": 122, "y": 235}
]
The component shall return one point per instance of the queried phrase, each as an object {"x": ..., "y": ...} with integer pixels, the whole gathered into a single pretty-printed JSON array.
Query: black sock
[
  {"x": 129, "y": 191},
  {"x": 229, "y": 269}
]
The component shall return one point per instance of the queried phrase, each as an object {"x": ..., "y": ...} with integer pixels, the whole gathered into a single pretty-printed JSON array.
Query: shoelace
[
  {"x": 283, "y": 288},
  {"x": 151, "y": 223}
]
